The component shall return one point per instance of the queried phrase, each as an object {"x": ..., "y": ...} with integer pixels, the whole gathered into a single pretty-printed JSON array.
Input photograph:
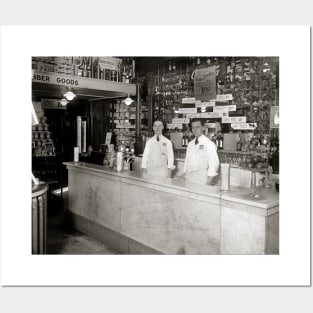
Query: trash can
[{"x": 39, "y": 218}]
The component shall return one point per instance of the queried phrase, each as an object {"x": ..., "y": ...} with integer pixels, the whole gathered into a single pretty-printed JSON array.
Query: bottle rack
[{"x": 42, "y": 143}]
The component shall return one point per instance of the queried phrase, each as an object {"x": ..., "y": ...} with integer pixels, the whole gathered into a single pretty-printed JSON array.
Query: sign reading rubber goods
[{"x": 55, "y": 79}]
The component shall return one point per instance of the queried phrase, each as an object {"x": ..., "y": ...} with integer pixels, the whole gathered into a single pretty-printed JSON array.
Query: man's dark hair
[
  {"x": 201, "y": 120},
  {"x": 159, "y": 120}
]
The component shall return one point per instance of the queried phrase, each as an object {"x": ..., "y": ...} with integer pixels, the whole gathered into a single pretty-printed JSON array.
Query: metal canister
[
  {"x": 113, "y": 75},
  {"x": 107, "y": 75}
]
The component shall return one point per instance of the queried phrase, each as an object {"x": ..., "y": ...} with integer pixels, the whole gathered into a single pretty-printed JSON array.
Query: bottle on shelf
[
  {"x": 124, "y": 74},
  {"x": 238, "y": 145},
  {"x": 220, "y": 142}
]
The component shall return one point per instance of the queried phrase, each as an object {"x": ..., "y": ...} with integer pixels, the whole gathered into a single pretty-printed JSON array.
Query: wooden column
[{"x": 138, "y": 144}]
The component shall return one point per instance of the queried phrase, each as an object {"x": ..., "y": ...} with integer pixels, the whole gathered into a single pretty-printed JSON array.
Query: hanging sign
[
  {"x": 205, "y": 83},
  {"x": 187, "y": 110},
  {"x": 274, "y": 117},
  {"x": 205, "y": 104},
  {"x": 225, "y": 108},
  {"x": 180, "y": 120},
  {"x": 239, "y": 126},
  {"x": 208, "y": 115},
  {"x": 173, "y": 126},
  {"x": 210, "y": 125},
  {"x": 227, "y": 97},
  {"x": 217, "y": 114},
  {"x": 189, "y": 100},
  {"x": 108, "y": 138},
  {"x": 234, "y": 119},
  {"x": 109, "y": 63}
]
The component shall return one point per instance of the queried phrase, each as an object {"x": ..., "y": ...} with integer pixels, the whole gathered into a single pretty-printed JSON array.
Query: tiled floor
[
  {"x": 64, "y": 240},
  {"x": 74, "y": 242}
]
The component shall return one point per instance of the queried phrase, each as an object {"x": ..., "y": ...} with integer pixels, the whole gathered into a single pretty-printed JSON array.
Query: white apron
[
  {"x": 199, "y": 176},
  {"x": 157, "y": 164},
  {"x": 160, "y": 171}
]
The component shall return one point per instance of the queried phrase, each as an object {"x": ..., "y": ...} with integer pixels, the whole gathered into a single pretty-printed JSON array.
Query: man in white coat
[
  {"x": 201, "y": 162},
  {"x": 158, "y": 156}
]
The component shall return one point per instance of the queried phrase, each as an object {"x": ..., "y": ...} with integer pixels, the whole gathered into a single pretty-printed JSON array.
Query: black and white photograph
[{"x": 155, "y": 155}]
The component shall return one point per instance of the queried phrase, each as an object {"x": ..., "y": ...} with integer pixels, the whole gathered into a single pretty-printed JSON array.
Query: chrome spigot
[{"x": 128, "y": 159}]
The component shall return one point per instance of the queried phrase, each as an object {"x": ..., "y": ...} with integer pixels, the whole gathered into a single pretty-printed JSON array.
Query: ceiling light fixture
[
  {"x": 128, "y": 100},
  {"x": 69, "y": 95},
  {"x": 63, "y": 102}
]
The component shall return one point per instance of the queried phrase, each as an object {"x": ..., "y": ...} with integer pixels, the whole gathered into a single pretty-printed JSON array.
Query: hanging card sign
[
  {"x": 225, "y": 108},
  {"x": 208, "y": 115},
  {"x": 217, "y": 114},
  {"x": 187, "y": 110},
  {"x": 234, "y": 119},
  {"x": 108, "y": 138},
  {"x": 240, "y": 126},
  {"x": 210, "y": 125},
  {"x": 205, "y": 104},
  {"x": 225, "y": 97},
  {"x": 109, "y": 63},
  {"x": 173, "y": 126},
  {"x": 189, "y": 100},
  {"x": 180, "y": 120},
  {"x": 274, "y": 117},
  {"x": 205, "y": 83}
]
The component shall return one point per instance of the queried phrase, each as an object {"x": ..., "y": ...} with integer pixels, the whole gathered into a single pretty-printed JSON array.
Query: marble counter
[{"x": 147, "y": 214}]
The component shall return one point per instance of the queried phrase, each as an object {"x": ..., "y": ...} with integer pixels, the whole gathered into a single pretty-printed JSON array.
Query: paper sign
[
  {"x": 210, "y": 125},
  {"x": 189, "y": 100},
  {"x": 109, "y": 63},
  {"x": 208, "y": 115},
  {"x": 234, "y": 119},
  {"x": 225, "y": 97},
  {"x": 274, "y": 117},
  {"x": 205, "y": 104},
  {"x": 187, "y": 110},
  {"x": 191, "y": 115},
  {"x": 173, "y": 126},
  {"x": 217, "y": 114},
  {"x": 250, "y": 126},
  {"x": 108, "y": 138},
  {"x": 205, "y": 83},
  {"x": 225, "y": 108},
  {"x": 180, "y": 120}
]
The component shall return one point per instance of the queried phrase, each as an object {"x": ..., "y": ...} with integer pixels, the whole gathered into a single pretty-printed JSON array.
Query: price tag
[
  {"x": 187, "y": 110},
  {"x": 234, "y": 119},
  {"x": 228, "y": 96},
  {"x": 189, "y": 100},
  {"x": 224, "y": 108},
  {"x": 173, "y": 126},
  {"x": 248, "y": 126},
  {"x": 207, "y": 104},
  {"x": 180, "y": 120}
]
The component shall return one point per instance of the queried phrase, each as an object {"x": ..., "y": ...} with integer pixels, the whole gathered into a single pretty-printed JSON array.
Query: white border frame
[{"x": 290, "y": 43}]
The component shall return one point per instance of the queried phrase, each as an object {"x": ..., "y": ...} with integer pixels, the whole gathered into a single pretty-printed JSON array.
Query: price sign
[
  {"x": 189, "y": 100},
  {"x": 205, "y": 104},
  {"x": 173, "y": 126},
  {"x": 239, "y": 126},
  {"x": 180, "y": 120},
  {"x": 224, "y": 108},
  {"x": 108, "y": 138},
  {"x": 205, "y": 83},
  {"x": 234, "y": 119},
  {"x": 228, "y": 96},
  {"x": 210, "y": 125},
  {"x": 187, "y": 110}
]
